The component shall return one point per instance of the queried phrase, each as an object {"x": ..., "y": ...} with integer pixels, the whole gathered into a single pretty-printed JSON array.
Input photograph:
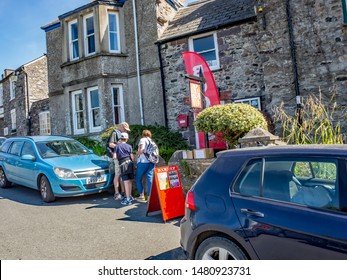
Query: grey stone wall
[
  {"x": 36, "y": 108},
  {"x": 255, "y": 59}
]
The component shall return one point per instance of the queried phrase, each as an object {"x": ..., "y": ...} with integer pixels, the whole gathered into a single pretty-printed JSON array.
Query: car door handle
[{"x": 252, "y": 213}]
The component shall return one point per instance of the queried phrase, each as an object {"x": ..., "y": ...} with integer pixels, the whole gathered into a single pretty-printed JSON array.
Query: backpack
[
  {"x": 151, "y": 152},
  {"x": 109, "y": 151}
]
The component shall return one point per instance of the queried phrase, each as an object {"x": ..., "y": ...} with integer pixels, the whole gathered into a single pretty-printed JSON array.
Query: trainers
[
  {"x": 141, "y": 197},
  {"x": 118, "y": 196},
  {"x": 126, "y": 201},
  {"x": 123, "y": 194},
  {"x": 131, "y": 199}
]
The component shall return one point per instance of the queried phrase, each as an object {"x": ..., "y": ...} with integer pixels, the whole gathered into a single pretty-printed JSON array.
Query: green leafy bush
[
  {"x": 316, "y": 123},
  {"x": 97, "y": 147},
  {"x": 168, "y": 141},
  {"x": 232, "y": 121}
]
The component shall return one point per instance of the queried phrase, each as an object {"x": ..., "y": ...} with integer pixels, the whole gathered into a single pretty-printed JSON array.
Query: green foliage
[
  {"x": 185, "y": 167},
  {"x": 315, "y": 124},
  {"x": 94, "y": 145},
  {"x": 168, "y": 141},
  {"x": 232, "y": 120}
]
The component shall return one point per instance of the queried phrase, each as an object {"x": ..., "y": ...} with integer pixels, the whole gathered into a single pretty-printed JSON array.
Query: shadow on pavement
[{"x": 175, "y": 254}]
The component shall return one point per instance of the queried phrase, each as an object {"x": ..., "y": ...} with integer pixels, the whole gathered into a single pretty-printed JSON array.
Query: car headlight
[{"x": 64, "y": 173}]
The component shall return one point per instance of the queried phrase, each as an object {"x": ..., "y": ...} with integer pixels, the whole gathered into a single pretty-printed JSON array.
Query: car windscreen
[{"x": 58, "y": 148}]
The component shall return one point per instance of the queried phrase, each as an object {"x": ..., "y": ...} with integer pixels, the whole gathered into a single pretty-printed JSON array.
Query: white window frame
[
  {"x": 86, "y": 36},
  {"x": 72, "y": 41},
  {"x": 249, "y": 101},
  {"x": 214, "y": 34},
  {"x": 92, "y": 127},
  {"x": 77, "y": 130},
  {"x": 5, "y": 131},
  {"x": 13, "y": 120},
  {"x": 45, "y": 123},
  {"x": 117, "y": 50},
  {"x": 120, "y": 106},
  {"x": 13, "y": 81}
]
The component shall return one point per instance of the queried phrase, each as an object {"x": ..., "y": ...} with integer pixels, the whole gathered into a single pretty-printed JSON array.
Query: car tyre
[
  {"x": 4, "y": 183},
  {"x": 219, "y": 248},
  {"x": 46, "y": 190}
]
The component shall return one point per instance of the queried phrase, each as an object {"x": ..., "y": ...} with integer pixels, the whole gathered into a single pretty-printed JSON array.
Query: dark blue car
[{"x": 279, "y": 202}]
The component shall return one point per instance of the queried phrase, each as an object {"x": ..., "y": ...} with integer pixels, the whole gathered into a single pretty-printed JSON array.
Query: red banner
[{"x": 195, "y": 66}]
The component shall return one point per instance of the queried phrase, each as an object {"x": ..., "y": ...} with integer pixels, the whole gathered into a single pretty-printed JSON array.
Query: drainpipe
[
  {"x": 28, "y": 101},
  {"x": 138, "y": 64},
  {"x": 162, "y": 76},
  {"x": 295, "y": 66}
]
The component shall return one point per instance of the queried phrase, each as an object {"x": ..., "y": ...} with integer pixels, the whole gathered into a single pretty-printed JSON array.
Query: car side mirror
[{"x": 28, "y": 157}]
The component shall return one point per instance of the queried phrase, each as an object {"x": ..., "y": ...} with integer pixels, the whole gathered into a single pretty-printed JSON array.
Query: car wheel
[
  {"x": 219, "y": 248},
  {"x": 46, "y": 190},
  {"x": 4, "y": 183}
]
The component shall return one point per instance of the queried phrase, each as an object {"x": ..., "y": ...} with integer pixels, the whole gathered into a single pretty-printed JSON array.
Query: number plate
[{"x": 94, "y": 180}]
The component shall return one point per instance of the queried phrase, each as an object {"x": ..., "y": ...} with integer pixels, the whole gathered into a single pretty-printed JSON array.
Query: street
[{"x": 94, "y": 227}]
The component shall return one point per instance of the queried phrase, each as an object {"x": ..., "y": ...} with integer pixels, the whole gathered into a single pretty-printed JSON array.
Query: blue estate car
[
  {"x": 57, "y": 166},
  {"x": 280, "y": 202}
]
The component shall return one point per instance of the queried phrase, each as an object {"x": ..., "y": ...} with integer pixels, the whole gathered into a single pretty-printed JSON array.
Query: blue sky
[{"x": 21, "y": 37}]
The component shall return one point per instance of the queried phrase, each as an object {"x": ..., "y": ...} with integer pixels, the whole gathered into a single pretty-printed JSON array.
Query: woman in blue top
[{"x": 125, "y": 157}]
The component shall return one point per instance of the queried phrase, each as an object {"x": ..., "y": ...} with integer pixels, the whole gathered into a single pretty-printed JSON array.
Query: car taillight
[{"x": 190, "y": 201}]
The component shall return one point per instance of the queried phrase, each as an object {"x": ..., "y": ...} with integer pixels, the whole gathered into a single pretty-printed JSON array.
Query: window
[
  {"x": 45, "y": 123},
  {"x": 15, "y": 148},
  {"x": 73, "y": 40},
  {"x": 94, "y": 109},
  {"x": 13, "y": 120},
  {"x": 78, "y": 112},
  {"x": 344, "y": 8},
  {"x": 308, "y": 182},
  {"x": 89, "y": 35},
  {"x": 255, "y": 102},
  {"x": 28, "y": 149},
  {"x": 206, "y": 46},
  {"x": 113, "y": 31},
  {"x": 5, "y": 131},
  {"x": 13, "y": 81},
  {"x": 118, "y": 107}
]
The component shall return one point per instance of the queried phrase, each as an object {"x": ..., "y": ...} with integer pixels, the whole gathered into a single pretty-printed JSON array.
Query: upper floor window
[
  {"x": 207, "y": 47},
  {"x": 94, "y": 109},
  {"x": 113, "y": 32},
  {"x": 13, "y": 120},
  {"x": 89, "y": 35},
  {"x": 344, "y": 7},
  {"x": 73, "y": 40},
  {"x": 13, "y": 82},
  {"x": 78, "y": 112},
  {"x": 45, "y": 123},
  {"x": 118, "y": 106}
]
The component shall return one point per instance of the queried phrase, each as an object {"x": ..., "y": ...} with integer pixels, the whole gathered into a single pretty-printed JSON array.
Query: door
[{"x": 278, "y": 224}]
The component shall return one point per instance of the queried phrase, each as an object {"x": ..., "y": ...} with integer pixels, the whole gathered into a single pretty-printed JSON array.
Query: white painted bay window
[
  {"x": 113, "y": 32},
  {"x": 94, "y": 109},
  {"x": 118, "y": 104},
  {"x": 78, "y": 112},
  {"x": 73, "y": 40},
  {"x": 89, "y": 35}
]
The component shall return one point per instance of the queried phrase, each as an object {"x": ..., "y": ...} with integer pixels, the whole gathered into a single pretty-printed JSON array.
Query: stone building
[
  {"x": 103, "y": 66},
  {"x": 260, "y": 52},
  {"x": 21, "y": 91}
]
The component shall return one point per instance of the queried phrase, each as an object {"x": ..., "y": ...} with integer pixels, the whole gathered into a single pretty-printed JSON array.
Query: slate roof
[{"x": 206, "y": 16}]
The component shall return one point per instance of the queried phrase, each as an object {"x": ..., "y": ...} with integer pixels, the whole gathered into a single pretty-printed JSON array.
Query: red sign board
[{"x": 166, "y": 193}]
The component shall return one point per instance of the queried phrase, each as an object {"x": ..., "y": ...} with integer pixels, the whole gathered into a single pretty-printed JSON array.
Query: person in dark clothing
[{"x": 124, "y": 154}]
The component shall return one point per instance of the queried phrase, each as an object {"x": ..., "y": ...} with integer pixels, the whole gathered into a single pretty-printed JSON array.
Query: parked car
[
  {"x": 279, "y": 202},
  {"x": 2, "y": 140},
  {"x": 57, "y": 166}
]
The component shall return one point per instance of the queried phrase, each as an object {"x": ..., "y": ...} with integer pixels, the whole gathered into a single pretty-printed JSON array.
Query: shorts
[
  {"x": 116, "y": 167},
  {"x": 127, "y": 177}
]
